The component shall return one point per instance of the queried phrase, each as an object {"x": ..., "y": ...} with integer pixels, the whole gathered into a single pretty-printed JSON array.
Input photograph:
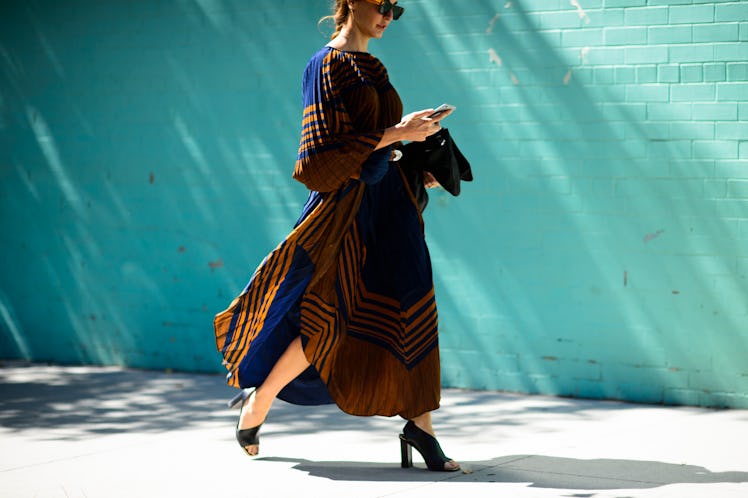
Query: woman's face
[{"x": 368, "y": 20}]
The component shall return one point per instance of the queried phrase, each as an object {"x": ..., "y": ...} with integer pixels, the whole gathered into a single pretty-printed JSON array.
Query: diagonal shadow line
[{"x": 538, "y": 471}]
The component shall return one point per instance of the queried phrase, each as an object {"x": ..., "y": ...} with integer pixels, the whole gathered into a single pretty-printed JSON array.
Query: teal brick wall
[{"x": 602, "y": 251}]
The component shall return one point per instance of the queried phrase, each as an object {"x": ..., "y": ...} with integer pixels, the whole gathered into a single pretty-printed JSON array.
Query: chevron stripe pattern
[{"x": 407, "y": 332}]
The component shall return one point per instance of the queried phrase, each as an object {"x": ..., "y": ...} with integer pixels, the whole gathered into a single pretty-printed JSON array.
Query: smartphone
[{"x": 441, "y": 110}]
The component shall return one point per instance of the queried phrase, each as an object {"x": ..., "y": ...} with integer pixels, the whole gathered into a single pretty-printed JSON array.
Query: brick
[
  {"x": 737, "y": 71},
  {"x": 743, "y": 34},
  {"x": 604, "y": 75},
  {"x": 551, "y": 36},
  {"x": 716, "y": 32},
  {"x": 649, "y": 392},
  {"x": 503, "y": 362},
  {"x": 537, "y": 5},
  {"x": 732, "y": 91},
  {"x": 619, "y": 373},
  {"x": 581, "y": 370},
  {"x": 647, "y": 93},
  {"x": 625, "y": 36},
  {"x": 715, "y": 149},
  {"x": 737, "y": 52},
  {"x": 713, "y": 264},
  {"x": 605, "y": 18},
  {"x": 692, "y": 92},
  {"x": 743, "y": 150},
  {"x": 723, "y": 400},
  {"x": 582, "y": 37},
  {"x": 731, "y": 12},
  {"x": 691, "y": 73},
  {"x": 671, "y": 188},
  {"x": 717, "y": 381},
  {"x": 593, "y": 390},
  {"x": 735, "y": 130},
  {"x": 580, "y": 75},
  {"x": 625, "y": 75},
  {"x": 691, "y": 167},
  {"x": 729, "y": 290},
  {"x": 715, "y": 189},
  {"x": 715, "y": 72},
  {"x": 624, "y": 3},
  {"x": 731, "y": 169},
  {"x": 645, "y": 16},
  {"x": 665, "y": 149},
  {"x": 737, "y": 189},
  {"x": 634, "y": 148},
  {"x": 668, "y": 73},
  {"x": 646, "y": 74},
  {"x": 688, "y": 14},
  {"x": 668, "y": 112},
  {"x": 624, "y": 112},
  {"x": 560, "y": 367},
  {"x": 692, "y": 130},
  {"x": 742, "y": 110},
  {"x": 691, "y": 53},
  {"x": 654, "y": 131},
  {"x": 509, "y": 113},
  {"x": 606, "y": 56},
  {"x": 678, "y": 397},
  {"x": 669, "y": 34},
  {"x": 593, "y": 187},
  {"x": 644, "y": 55},
  {"x": 560, "y": 20},
  {"x": 511, "y": 381},
  {"x": 715, "y": 111}
]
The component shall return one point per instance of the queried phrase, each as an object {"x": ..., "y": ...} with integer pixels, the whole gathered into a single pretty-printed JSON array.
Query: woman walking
[{"x": 343, "y": 310}]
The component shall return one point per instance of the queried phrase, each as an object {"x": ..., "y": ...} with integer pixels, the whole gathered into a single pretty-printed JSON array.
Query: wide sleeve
[{"x": 332, "y": 149}]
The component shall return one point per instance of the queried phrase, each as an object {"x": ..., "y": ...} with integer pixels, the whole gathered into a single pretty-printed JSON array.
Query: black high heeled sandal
[
  {"x": 427, "y": 446},
  {"x": 245, "y": 437}
]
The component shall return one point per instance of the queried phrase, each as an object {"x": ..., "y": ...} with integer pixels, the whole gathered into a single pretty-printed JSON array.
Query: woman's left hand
[{"x": 429, "y": 181}]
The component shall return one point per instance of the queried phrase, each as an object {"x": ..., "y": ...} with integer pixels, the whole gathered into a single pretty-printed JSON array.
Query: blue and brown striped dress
[{"x": 353, "y": 278}]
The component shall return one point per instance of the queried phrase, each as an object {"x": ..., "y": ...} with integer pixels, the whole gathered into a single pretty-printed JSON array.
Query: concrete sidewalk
[{"x": 108, "y": 432}]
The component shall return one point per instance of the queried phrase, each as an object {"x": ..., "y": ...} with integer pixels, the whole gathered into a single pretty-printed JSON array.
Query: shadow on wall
[
  {"x": 146, "y": 162},
  {"x": 583, "y": 258}
]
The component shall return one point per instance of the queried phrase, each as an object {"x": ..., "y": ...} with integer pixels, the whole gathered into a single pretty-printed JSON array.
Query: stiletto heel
[
  {"x": 406, "y": 453},
  {"x": 240, "y": 397},
  {"x": 245, "y": 437},
  {"x": 426, "y": 445}
]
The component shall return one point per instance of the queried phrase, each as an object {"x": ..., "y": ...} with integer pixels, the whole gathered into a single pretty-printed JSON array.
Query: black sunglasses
[{"x": 386, "y": 6}]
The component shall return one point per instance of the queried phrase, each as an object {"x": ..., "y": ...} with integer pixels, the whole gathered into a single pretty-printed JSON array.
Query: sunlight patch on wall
[
  {"x": 15, "y": 329},
  {"x": 51, "y": 153}
]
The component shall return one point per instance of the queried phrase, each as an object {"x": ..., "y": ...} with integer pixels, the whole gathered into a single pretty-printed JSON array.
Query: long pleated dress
[{"x": 353, "y": 278}]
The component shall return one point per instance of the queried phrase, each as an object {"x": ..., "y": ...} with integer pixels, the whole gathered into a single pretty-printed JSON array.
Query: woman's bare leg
[
  {"x": 291, "y": 363},
  {"x": 423, "y": 422}
]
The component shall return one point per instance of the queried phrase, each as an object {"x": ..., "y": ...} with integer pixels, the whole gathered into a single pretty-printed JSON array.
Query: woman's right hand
[{"x": 414, "y": 127}]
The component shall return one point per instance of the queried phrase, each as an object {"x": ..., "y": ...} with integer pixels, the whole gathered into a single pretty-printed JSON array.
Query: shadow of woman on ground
[{"x": 537, "y": 470}]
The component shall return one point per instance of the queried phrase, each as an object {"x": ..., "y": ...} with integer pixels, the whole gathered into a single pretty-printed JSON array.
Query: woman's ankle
[
  {"x": 255, "y": 409},
  {"x": 423, "y": 422}
]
